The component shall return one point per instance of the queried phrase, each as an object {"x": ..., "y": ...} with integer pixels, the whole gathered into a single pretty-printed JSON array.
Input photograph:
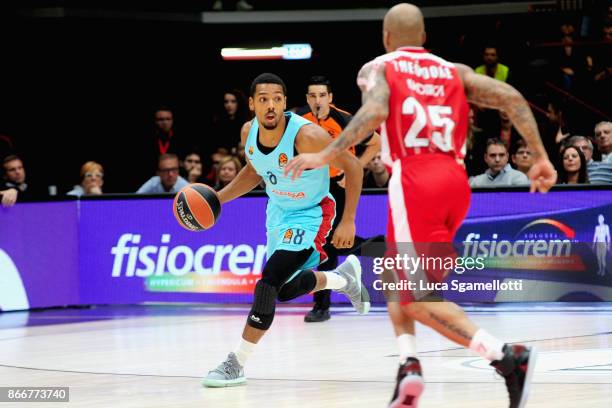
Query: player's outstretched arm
[
  {"x": 313, "y": 139},
  {"x": 246, "y": 180},
  {"x": 375, "y": 109},
  {"x": 491, "y": 93}
]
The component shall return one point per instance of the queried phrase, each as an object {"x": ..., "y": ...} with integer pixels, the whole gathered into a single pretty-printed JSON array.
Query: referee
[{"x": 321, "y": 111}]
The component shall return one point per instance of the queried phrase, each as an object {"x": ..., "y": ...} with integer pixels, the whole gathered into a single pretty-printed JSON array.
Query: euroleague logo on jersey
[
  {"x": 251, "y": 150},
  {"x": 282, "y": 159},
  {"x": 288, "y": 236}
]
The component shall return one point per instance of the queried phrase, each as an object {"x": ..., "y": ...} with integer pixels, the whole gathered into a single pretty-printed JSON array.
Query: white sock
[
  {"x": 243, "y": 351},
  {"x": 487, "y": 346},
  {"x": 334, "y": 281},
  {"x": 407, "y": 346}
]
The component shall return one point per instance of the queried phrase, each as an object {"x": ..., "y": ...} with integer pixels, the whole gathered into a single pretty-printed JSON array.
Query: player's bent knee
[{"x": 264, "y": 305}]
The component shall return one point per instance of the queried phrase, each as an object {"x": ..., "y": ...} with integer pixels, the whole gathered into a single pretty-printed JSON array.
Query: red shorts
[{"x": 429, "y": 197}]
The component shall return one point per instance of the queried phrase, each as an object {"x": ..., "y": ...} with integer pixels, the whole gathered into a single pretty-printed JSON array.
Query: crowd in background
[{"x": 578, "y": 77}]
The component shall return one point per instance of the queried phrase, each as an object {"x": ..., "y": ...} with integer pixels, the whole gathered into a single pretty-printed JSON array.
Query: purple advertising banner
[
  {"x": 132, "y": 250},
  {"x": 39, "y": 254}
]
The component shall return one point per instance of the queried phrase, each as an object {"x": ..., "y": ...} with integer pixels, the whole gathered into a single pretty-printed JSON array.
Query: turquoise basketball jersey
[{"x": 306, "y": 191}]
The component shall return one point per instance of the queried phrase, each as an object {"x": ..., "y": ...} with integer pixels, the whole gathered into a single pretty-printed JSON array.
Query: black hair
[
  {"x": 583, "y": 175},
  {"x": 267, "y": 78},
  {"x": 320, "y": 80}
]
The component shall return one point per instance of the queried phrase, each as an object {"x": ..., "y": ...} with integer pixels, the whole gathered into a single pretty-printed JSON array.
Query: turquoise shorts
[{"x": 297, "y": 230}]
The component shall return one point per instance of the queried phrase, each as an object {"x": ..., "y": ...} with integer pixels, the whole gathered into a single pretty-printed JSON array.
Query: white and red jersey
[{"x": 428, "y": 109}]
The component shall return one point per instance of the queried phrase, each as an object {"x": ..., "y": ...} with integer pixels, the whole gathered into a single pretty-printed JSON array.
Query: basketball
[{"x": 197, "y": 207}]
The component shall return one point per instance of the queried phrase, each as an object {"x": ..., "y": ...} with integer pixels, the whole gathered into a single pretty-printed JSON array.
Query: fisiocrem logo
[
  {"x": 13, "y": 295},
  {"x": 527, "y": 242},
  {"x": 131, "y": 259}
]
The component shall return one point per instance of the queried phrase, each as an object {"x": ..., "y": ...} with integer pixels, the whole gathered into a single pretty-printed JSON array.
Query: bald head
[{"x": 403, "y": 26}]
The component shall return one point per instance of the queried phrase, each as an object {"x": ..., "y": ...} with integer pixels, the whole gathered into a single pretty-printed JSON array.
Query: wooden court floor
[{"x": 154, "y": 356}]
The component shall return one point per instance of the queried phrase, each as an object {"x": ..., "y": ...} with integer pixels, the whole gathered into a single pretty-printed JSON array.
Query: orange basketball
[{"x": 197, "y": 207}]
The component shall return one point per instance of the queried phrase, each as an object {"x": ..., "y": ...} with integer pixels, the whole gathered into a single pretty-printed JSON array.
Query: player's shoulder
[{"x": 309, "y": 137}]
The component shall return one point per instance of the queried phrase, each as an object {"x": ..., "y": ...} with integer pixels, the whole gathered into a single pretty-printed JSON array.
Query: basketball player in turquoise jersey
[{"x": 299, "y": 217}]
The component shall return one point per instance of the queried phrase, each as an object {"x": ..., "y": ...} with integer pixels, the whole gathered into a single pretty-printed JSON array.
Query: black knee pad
[
  {"x": 302, "y": 284},
  {"x": 264, "y": 305}
]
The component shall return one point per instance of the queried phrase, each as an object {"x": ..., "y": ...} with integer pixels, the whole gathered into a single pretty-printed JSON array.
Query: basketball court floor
[{"x": 154, "y": 356}]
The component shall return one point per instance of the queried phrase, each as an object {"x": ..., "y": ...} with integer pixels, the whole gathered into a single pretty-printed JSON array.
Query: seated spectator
[
  {"x": 92, "y": 180},
  {"x": 191, "y": 169},
  {"x": 376, "y": 175},
  {"x": 15, "y": 179},
  {"x": 167, "y": 179},
  {"x": 499, "y": 173},
  {"x": 574, "y": 168},
  {"x": 586, "y": 147},
  {"x": 603, "y": 138},
  {"x": 491, "y": 66},
  {"x": 226, "y": 125},
  {"x": 522, "y": 158},
  {"x": 215, "y": 158},
  {"x": 229, "y": 167}
]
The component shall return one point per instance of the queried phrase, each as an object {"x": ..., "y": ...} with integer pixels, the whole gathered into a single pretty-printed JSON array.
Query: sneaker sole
[
  {"x": 210, "y": 383},
  {"x": 354, "y": 261},
  {"x": 530, "y": 368},
  {"x": 412, "y": 385}
]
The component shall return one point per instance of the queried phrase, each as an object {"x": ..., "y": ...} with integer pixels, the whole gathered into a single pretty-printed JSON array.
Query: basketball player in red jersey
[{"x": 421, "y": 103}]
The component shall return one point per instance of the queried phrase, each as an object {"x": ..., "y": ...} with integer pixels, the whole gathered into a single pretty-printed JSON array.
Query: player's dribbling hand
[
  {"x": 344, "y": 236},
  {"x": 542, "y": 175},
  {"x": 304, "y": 161}
]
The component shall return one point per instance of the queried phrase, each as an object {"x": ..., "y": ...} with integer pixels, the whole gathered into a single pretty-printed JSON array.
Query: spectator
[
  {"x": 491, "y": 121},
  {"x": 574, "y": 168},
  {"x": 215, "y": 158},
  {"x": 603, "y": 138},
  {"x": 571, "y": 62},
  {"x": 584, "y": 144},
  {"x": 167, "y": 179},
  {"x": 499, "y": 173},
  {"x": 15, "y": 178},
  {"x": 229, "y": 167},
  {"x": 376, "y": 175},
  {"x": 166, "y": 140},
  {"x": 492, "y": 67},
  {"x": 522, "y": 158},
  {"x": 92, "y": 180},
  {"x": 191, "y": 169},
  {"x": 227, "y": 125}
]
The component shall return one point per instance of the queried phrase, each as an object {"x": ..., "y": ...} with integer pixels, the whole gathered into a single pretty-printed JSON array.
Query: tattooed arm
[
  {"x": 374, "y": 110},
  {"x": 491, "y": 93}
]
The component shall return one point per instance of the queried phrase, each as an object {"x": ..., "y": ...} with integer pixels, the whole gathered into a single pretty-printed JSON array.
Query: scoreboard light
[{"x": 286, "y": 52}]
